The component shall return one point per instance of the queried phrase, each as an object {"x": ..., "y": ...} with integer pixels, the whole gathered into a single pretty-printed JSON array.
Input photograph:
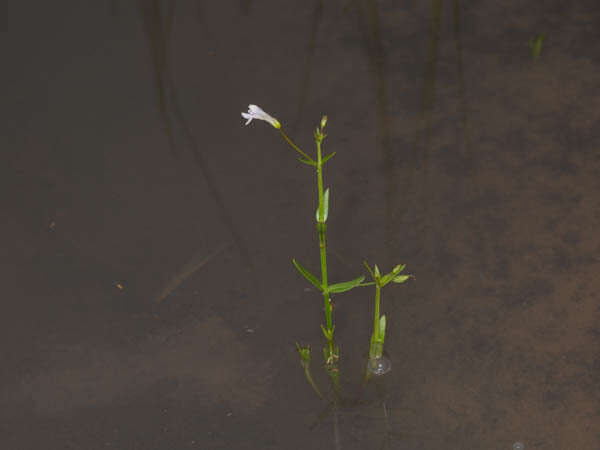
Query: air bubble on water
[
  {"x": 518, "y": 446},
  {"x": 379, "y": 366}
]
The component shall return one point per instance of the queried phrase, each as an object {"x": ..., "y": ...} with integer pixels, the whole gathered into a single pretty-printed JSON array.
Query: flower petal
[
  {"x": 255, "y": 112},
  {"x": 247, "y": 116}
]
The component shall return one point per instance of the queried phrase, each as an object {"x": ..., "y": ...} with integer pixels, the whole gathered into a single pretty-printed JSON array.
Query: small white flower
[{"x": 254, "y": 112}]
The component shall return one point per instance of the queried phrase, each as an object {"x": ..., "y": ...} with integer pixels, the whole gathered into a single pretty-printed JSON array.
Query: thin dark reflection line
[
  {"x": 246, "y": 6},
  {"x": 159, "y": 45},
  {"x": 209, "y": 177},
  {"x": 159, "y": 42},
  {"x": 377, "y": 64},
  {"x": 169, "y": 24},
  {"x": 464, "y": 119},
  {"x": 336, "y": 429},
  {"x": 376, "y": 55},
  {"x": 113, "y": 8},
  {"x": 204, "y": 22},
  {"x": 428, "y": 91},
  {"x": 424, "y": 128},
  {"x": 308, "y": 64}
]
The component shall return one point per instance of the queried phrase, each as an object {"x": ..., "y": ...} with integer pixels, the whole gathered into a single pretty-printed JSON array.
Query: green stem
[
  {"x": 321, "y": 227},
  {"x": 375, "y": 339},
  {"x": 321, "y": 230},
  {"x": 376, "y": 315},
  {"x": 320, "y": 181}
]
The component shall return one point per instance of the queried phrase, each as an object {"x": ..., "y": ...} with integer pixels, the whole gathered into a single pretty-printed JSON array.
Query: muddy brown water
[{"x": 149, "y": 300}]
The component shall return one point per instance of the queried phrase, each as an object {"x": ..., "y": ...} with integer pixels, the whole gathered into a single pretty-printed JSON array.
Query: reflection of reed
[
  {"x": 369, "y": 17},
  {"x": 429, "y": 83},
  {"x": 428, "y": 91},
  {"x": 113, "y": 8},
  {"x": 159, "y": 35},
  {"x": 159, "y": 32},
  {"x": 245, "y": 6},
  {"x": 422, "y": 140},
  {"x": 192, "y": 266},
  {"x": 308, "y": 65},
  {"x": 464, "y": 122},
  {"x": 336, "y": 429},
  {"x": 424, "y": 129}
]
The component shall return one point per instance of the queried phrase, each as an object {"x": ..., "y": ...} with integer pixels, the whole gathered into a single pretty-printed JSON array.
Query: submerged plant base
[{"x": 379, "y": 366}]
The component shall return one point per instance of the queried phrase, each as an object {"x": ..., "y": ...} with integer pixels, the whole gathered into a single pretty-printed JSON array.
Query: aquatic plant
[{"x": 377, "y": 363}]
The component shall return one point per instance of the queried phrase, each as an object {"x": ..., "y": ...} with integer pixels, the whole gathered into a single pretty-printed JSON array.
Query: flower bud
[{"x": 323, "y": 122}]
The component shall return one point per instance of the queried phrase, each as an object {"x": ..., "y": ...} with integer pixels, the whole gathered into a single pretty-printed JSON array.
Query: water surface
[{"x": 149, "y": 295}]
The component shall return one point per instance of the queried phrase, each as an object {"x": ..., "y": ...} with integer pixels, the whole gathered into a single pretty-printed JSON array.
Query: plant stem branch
[
  {"x": 294, "y": 146},
  {"x": 323, "y": 250}
]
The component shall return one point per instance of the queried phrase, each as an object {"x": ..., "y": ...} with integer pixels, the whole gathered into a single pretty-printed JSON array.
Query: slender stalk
[
  {"x": 320, "y": 180},
  {"x": 321, "y": 227},
  {"x": 376, "y": 314},
  {"x": 374, "y": 350},
  {"x": 294, "y": 146}
]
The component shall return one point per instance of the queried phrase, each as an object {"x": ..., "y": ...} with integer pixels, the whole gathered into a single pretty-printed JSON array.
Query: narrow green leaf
[
  {"x": 346, "y": 285},
  {"x": 325, "y": 207},
  {"x": 386, "y": 279},
  {"x": 309, "y": 276},
  {"x": 377, "y": 274},
  {"x": 401, "y": 278},
  {"x": 327, "y": 158},
  {"x": 382, "y": 329},
  {"x": 369, "y": 269},
  {"x": 309, "y": 162},
  {"x": 399, "y": 268},
  {"x": 304, "y": 352},
  {"x": 328, "y": 334}
]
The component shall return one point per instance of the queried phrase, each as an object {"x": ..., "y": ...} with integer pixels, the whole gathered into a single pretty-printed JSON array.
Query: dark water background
[{"x": 149, "y": 301}]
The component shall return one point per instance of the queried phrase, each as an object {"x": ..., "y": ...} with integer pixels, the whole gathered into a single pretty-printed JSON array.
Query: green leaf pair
[
  {"x": 334, "y": 288},
  {"x": 392, "y": 275},
  {"x": 328, "y": 333},
  {"x": 312, "y": 162},
  {"x": 381, "y": 281}
]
